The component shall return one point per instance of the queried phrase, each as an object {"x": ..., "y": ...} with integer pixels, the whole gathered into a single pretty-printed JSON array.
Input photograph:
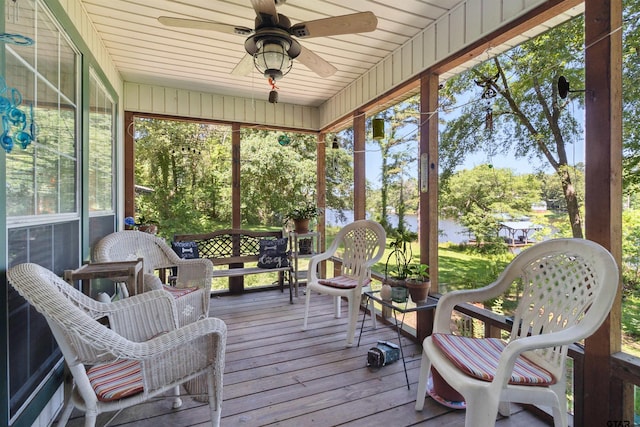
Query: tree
[
  {"x": 518, "y": 108},
  {"x": 339, "y": 172},
  {"x": 480, "y": 197},
  {"x": 631, "y": 97},
  {"x": 395, "y": 152},
  {"x": 275, "y": 178},
  {"x": 552, "y": 192},
  {"x": 186, "y": 165}
]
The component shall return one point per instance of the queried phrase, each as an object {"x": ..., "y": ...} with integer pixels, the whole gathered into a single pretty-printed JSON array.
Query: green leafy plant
[
  {"x": 142, "y": 220},
  {"x": 401, "y": 254},
  {"x": 419, "y": 272},
  {"x": 306, "y": 211}
]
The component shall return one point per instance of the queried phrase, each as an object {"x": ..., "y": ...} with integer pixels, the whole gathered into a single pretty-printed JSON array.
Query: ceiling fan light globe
[{"x": 272, "y": 58}]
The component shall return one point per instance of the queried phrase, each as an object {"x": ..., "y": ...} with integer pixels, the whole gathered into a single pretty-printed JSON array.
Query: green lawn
[{"x": 460, "y": 269}]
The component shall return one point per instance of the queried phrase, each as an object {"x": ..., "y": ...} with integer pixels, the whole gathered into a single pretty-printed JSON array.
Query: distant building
[{"x": 539, "y": 206}]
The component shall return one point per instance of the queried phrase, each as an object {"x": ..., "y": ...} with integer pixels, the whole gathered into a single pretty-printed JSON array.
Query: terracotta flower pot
[
  {"x": 148, "y": 228},
  {"x": 444, "y": 390},
  {"x": 418, "y": 290},
  {"x": 301, "y": 225}
]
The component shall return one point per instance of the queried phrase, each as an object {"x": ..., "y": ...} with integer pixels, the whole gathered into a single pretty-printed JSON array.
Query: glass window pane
[
  {"x": 42, "y": 179},
  {"x": 68, "y": 66},
  {"x": 101, "y": 148},
  {"x": 20, "y": 183},
  {"x": 20, "y": 19},
  {"x": 47, "y": 49}
]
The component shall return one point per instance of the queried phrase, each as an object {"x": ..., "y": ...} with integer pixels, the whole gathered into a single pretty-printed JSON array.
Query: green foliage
[
  {"x": 478, "y": 198},
  {"x": 307, "y": 210},
  {"x": 631, "y": 250},
  {"x": 339, "y": 172},
  {"x": 419, "y": 271},
  {"x": 631, "y": 97},
  {"x": 187, "y": 166},
  {"x": 401, "y": 254},
  {"x": 397, "y": 154},
  {"x": 526, "y": 116},
  {"x": 275, "y": 179}
]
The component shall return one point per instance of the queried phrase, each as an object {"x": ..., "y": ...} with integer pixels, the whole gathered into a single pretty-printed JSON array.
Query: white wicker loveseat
[
  {"x": 141, "y": 355},
  {"x": 192, "y": 289}
]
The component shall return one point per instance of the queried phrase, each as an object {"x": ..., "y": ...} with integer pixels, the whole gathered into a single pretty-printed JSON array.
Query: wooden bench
[{"x": 235, "y": 247}]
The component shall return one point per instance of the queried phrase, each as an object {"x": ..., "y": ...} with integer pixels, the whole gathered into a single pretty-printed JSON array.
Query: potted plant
[
  {"x": 418, "y": 282},
  {"x": 301, "y": 215},
  {"x": 396, "y": 272},
  {"x": 396, "y": 269},
  {"x": 147, "y": 225}
]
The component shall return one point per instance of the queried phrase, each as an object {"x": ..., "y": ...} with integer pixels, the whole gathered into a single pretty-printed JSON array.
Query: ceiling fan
[{"x": 271, "y": 45}]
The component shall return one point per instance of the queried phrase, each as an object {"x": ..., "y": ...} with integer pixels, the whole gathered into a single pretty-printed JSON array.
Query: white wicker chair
[
  {"x": 130, "y": 244},
  {"x": 143, "y": 338},
  {"x": 568, "y": 287},
  {"x": 359, "y": 244}
]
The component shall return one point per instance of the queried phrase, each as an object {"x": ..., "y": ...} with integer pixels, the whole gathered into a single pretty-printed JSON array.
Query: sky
[{"x": 505, "y": 160}]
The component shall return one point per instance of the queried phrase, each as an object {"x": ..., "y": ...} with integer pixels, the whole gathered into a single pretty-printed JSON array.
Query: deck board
[{"x": 278, "y": 375}]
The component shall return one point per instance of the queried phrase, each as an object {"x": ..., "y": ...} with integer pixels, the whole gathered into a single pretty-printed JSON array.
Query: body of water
[{"x": 448, "y": 229}]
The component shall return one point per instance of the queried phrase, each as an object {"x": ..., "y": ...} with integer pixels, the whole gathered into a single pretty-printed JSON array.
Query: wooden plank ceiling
[{"x": 146, "y": 51}]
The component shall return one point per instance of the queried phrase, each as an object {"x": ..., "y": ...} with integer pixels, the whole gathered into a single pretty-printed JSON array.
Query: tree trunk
[
  {"x": 573, "y": 209},
  {"x": 384, "y": 190},
  {"x": 401, "y": 208}
]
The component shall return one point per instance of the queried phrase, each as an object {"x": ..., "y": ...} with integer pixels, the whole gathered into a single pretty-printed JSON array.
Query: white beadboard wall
[
  {"x": 79, "y": 17},
  {"x": 184, "y": 103},
  {"x": 467, "y": 22}
]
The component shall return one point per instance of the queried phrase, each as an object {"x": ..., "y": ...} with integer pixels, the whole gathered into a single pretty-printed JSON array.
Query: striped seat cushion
[
  {"x": 342, "y": 282},
  {"x": 178, "y": 292},
  {"x": 116, "y": 380},
  {"x": 478, "y": 357}
]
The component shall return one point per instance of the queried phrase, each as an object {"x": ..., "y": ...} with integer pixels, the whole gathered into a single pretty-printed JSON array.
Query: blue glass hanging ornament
[
  {"x": 284, "y": 140},
  {"x": 14, "y": 120}
]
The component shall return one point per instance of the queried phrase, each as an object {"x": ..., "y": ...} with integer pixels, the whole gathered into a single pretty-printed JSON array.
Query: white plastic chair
[
  {"x": 142, "y": 344},
  {"x": 568, "y": 288},
  {"x": 192, "y": 273},
  {"x": 359, "y": 245}
]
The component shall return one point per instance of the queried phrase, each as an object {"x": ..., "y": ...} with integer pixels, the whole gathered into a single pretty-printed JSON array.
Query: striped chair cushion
[
  {"x": 178, "y": 292},
  {"x": 478, "y": 357},
  {"x": 116, "y": 380},
  {"x": 342, "y": 282}
]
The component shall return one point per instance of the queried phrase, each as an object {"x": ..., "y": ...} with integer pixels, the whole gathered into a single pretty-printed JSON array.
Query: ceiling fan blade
[
  {"x": 316, "y": 64},
  {"x": 244, "y": 67},
  {"x": 265, "y": 7},
  {"x": 361, "y": 22},
  {"x": 204, "y": 25}
]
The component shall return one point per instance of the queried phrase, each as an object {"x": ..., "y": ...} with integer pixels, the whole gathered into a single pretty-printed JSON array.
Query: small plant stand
[{"x": 299, "y": 275}]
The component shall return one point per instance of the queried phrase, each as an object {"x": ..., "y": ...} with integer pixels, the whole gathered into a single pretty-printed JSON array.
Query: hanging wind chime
[
  {"x": 335, "y": 146},
  {"x": 488, "y": 94}
]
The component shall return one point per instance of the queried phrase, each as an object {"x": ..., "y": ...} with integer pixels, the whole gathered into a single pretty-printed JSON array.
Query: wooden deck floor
[{"x": 278, "y": 375}]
